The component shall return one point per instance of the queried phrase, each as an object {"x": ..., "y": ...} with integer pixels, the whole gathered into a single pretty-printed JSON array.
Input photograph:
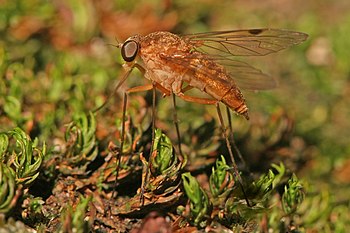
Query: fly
[{"x": 204, "y": 61}]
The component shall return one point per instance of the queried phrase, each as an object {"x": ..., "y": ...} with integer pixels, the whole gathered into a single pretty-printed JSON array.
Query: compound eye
[{"x": 129, "y": 50}]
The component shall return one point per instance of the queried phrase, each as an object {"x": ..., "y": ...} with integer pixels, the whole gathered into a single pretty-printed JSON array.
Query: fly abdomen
[{"x": 235, "y": 100}]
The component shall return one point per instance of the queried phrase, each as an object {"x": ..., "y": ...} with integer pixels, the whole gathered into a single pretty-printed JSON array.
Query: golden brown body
[{"x": 166, "y": 59}]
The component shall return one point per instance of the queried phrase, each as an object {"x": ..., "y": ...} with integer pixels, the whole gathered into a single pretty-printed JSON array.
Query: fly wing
[
  {"x": 246, "y": 76},
  {"x": 252, "y": 42}
]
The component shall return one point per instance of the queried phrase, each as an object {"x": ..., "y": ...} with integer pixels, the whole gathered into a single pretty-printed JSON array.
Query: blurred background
[{"x": 58, "y": 58}]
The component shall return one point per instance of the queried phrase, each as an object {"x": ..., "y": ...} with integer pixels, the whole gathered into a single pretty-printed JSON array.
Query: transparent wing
[
  {"x": 244, "y": 75},
  {"x": 251, "y": 42}
]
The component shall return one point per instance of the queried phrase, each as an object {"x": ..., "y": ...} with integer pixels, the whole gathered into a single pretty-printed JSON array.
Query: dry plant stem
[
  {"x": 176, "y": 123},
  {"x": 228, "y": 111}
]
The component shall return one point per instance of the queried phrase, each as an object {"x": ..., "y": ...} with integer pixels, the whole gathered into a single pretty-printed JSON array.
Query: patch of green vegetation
[{"x": 58, "y": 158}]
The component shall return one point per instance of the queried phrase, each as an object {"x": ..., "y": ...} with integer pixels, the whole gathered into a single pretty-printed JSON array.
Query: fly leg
[
  {"x": 175, "y": 118},
  {"x": 228, "y": 111},
  {"x": 176, "y": 123},
  {"x": 120, "y": 154},
  {"x": 147, "y": 87},
  {"x": 128, "y": 68},
  {"x": 141, "y": 89},
  {"x": 223, "y": 127},
  {"x": 126, "y": 74},
  {"x": 165, "y": 92},
  {"x": 197, "y": 99},
  {"x": 216, "y": 103},
  {"x": 228, "y": 145},
  {"x": 224, "y": 132}
]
